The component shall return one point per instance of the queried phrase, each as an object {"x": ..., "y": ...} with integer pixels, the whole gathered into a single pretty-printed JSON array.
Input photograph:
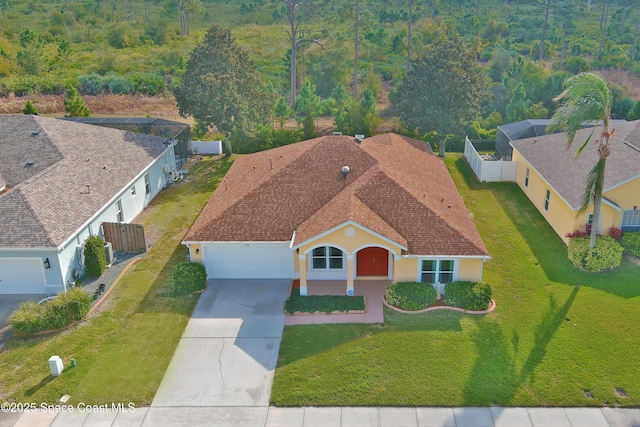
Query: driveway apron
[{"x": 228, "y": 352}]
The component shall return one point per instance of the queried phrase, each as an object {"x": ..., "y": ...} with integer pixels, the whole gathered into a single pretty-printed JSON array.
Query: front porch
[{"x": 372, "y": 290}]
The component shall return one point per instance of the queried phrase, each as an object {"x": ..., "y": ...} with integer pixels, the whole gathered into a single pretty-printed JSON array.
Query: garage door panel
[
  {"x": 248, "y": 260},
  {"x": 22, "y": 276}
]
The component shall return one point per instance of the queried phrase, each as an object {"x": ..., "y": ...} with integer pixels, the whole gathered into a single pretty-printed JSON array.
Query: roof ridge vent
[{"x": 337, "y": 133}]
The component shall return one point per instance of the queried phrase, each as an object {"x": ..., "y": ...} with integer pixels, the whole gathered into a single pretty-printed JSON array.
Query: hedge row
[
  {"x": 411, "y": 296},
  {"x": 468, "y": 295},
  {"x": 143, "y": 83},
  {"x": 68, "y": 307},
  {"x": 631, "y": 242},
  {"x": 322, "y": 303}
]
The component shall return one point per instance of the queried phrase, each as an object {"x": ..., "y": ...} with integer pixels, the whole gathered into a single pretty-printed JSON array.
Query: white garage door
[
  {"x": 248, "y": 260},
  {"x": 22, "y": 276}
]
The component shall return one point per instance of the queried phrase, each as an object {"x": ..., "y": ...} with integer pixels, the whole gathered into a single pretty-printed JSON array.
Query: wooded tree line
[{"x": 351, "y": 53}]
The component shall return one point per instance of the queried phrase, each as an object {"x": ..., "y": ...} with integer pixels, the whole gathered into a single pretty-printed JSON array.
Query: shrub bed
[
  {"x": 95, "y": 257},
  {"x": 468, "y": 295},
  {"x": 605, "y": 255},
  {"x": 411, "y": 296},
  {"x": 30, "y": 318},
  {"x": 322, "y": 303},
  {"x": 188, "y": 277},
  {"x": 631, "y": 243}
]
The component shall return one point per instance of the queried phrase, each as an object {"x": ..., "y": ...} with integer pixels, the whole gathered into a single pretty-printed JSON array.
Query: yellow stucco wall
[
  {"x": 470, "y": 269},
  {"x": 626, "y": 196},
  {"x": 195, "y": 257},
  {"x": 405, "y": 270},
  {"x": 560, "y": 216},
  {"x": 340, "y": 239}
]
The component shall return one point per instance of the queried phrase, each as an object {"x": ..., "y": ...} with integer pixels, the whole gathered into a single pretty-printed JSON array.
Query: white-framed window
[
  {"x": 437, "y": 270},
  {"x": 526, "y": 178},
  {"x": 133, "y": 190},
  {"x": 147, "y": 184},
  {"x": 630, "y": 220},
  {"x": 547, "y": 196},
  {"x": 119, "y": 215},
  {"x": 327, "y": 258}
]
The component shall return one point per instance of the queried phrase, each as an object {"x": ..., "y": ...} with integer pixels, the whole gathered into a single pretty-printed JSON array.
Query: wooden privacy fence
[{"x": 124, "y": 237}]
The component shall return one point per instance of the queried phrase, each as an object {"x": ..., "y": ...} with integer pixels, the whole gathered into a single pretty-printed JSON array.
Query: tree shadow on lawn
[
  {"x": 546, "y": 246},
  {"x": 494, "y": 378}
]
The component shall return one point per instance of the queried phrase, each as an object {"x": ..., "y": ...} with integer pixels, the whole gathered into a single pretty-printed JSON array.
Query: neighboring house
[
  {"x": 59, "y": 181},
  {"x": 553, "y": 178},
  {"x": 525, "y": 129},
  {"x": 339, "y": 208}
]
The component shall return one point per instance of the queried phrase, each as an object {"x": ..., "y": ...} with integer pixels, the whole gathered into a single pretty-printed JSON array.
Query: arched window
[{"x": 327, "y": 258}]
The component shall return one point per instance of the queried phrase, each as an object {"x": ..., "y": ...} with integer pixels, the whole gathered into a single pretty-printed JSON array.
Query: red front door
[{"x": 372, "y": 262}]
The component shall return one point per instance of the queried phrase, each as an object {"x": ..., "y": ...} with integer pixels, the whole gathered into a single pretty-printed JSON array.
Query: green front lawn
[
  {"x": 123, "y": 351},
  {"x": 556, "y": 331}
]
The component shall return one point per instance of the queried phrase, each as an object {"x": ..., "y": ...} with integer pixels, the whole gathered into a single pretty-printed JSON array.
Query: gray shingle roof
[
  {"x": 567, "y": 173},
  {"x": 48, "y": 201}
]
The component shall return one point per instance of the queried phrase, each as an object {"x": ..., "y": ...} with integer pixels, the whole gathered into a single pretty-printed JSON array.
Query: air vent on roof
[
  {"x": 345, "y": 171},
  {"x": 337, "y": 134},
  {"x": 359, "y": 138},
  {"x": 35, "y": 132},
  {"x": 30, "y": 162}
]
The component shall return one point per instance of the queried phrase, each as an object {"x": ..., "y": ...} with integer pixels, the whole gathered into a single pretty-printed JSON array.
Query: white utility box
[{"x": 56, "y": 366}]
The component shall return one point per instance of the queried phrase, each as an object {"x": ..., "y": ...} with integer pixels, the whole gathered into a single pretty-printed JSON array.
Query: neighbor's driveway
[
  {"x": 8, "y": 303},
  {"x": 228, "y": 352}
]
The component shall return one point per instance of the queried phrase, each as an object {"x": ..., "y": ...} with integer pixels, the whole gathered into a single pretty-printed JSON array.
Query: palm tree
[{"x": 586, "y": 97}]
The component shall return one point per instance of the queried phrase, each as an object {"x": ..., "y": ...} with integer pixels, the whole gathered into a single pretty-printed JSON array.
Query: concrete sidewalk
[{"x": 339, "y": 417}]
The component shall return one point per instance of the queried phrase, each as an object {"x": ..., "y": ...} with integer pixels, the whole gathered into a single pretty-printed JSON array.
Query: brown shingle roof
[
  {"x": 395, "y": 187},
  {"x": 52, "y": 193},
  {"x": 567, "y": 173}
]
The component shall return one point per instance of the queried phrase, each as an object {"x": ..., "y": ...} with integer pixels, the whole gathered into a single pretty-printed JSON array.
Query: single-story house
[
  {"x": 59, "y": 181},
  {"x": 553, "y": 178},
  {"x": 339, "y": 208}
]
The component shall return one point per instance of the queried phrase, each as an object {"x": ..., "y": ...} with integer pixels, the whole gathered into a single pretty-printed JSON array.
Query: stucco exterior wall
[
  {"x": 351, "y": 244},
  {"x": 470, "y": 269},
  {"x": 560, "y": 216}
]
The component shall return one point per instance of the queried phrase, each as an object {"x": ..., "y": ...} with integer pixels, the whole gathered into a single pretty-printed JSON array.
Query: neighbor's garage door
[
  {"x": 22, "y": 276},
  {"x": 248, "y": 260}
]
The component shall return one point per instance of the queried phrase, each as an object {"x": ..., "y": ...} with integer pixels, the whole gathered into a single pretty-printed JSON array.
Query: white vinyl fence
[
  {"x": 486, "y": 167},
  {"x": 206, "y": 147}
]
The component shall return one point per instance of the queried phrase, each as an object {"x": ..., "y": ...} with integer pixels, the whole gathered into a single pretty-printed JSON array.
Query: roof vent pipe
[{"x": 345, "y": 171}]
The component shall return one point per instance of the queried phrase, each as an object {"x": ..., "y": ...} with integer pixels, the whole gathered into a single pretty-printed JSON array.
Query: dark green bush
[
  {"x": 322, "y": 303},
  {"x": 631, "y": 242},
  {"x": 188, "y": 277},
  {"x": 95, "y": 257},
  {"x": 468, "y": 295},
  {"x": 411, "y": 296},
  {"x": 67, "y": 307},
  {"x": 605, "y": 255}
]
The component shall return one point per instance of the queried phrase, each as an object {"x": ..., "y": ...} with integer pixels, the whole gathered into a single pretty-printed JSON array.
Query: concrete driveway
[
  {"x": 8, "y": 303},
  {"x": 228, "y": 352}
]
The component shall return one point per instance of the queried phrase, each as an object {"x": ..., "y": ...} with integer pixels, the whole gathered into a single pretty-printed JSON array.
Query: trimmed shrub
[
  {"x": 188, "y": 277},
  {"x": 631, "y": 242},
  {"x": 468, "y": 295},
  {"x": 411, "y": 296},
  {"x": 605, "y": 255},
  {"x": 68, "y": 307},
  {"x": 95, "y": 257},
  {"x": 322, "y": 303}
]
